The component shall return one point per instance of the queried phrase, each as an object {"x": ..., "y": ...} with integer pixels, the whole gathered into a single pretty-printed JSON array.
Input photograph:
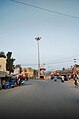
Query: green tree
[
  {"x": 9, "y": 62},
  {"x": 2, "y": 54},
  {"x": 77, "y": 65},
  {"x": 19, "y": 66},
  {"x": 35, "y": 73},
  {"x": 63, "y": 69}
]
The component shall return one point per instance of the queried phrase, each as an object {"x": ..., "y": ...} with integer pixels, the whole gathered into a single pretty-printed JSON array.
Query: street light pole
[{"x": 38, "y": 39}]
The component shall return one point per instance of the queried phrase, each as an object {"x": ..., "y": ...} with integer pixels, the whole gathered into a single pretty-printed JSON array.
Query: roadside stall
[
  {"x": 42, "y": 73},
  {"x": 2, "y": 79}
]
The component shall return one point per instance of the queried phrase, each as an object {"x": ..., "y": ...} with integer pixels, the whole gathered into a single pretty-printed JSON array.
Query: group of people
[
  {"x": 12, "y": 81},
  {"x": 63, "y": 78}
]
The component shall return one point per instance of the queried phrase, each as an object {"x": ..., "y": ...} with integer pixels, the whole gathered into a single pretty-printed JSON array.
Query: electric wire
[
  {"x": 44, "y": 9},
  {"x": 46, "y": 64},
  {"x": 59, "y": 61}
]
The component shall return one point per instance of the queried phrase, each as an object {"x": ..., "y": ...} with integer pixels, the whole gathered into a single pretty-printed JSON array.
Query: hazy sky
[{"x": 21, "y": 23}]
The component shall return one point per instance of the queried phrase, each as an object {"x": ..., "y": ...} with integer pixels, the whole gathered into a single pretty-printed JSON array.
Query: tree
[
  {"x": 9, "y": 62},
  {"x": 2, "y": 54},
  {"x": 77, "y": 65},
  {"x": 19, "y": 66},
  {"x": 35, "y": 73},
  {"x": 63, "y": 69}
]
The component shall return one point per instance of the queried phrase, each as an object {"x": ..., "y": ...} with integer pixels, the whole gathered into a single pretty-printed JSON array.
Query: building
[
  {"x": 28, "y": 72},
  {"x": 2, "y": 64},
  {"x": 2, "y": 69}
]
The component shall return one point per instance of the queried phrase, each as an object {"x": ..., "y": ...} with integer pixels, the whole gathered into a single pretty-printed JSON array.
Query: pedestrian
[
  {"x": 62, "y": 78},
  {"x": 76, "y": 80},
  {"x": 55, "y": 78}
]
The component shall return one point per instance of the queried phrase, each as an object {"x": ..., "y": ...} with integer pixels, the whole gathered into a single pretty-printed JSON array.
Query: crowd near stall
[{"x": 11, "y": 81}]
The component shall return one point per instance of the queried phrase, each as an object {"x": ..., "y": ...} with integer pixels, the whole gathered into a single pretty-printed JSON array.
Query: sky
[{"x": 21, "y": 22}]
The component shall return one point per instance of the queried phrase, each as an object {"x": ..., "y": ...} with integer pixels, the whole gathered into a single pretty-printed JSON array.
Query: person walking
[
  {"x": 76, "y": 80},
  {"x": 62, "y": 78}
]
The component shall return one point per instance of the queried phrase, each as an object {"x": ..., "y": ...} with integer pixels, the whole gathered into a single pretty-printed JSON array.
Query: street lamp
[{"x": 38, "y": 39}]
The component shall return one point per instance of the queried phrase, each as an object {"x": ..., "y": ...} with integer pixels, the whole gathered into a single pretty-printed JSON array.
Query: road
[{"x": 39, "y": 99}]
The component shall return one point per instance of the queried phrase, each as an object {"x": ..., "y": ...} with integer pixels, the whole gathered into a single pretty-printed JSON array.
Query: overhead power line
[
  {"x": 53, "y": 63},
  {"x": 59, "y": 62},
  {"x": 72, "y": 57},
  {"x": 44, "y": 9},
  {"x": 66, "y": 60}
]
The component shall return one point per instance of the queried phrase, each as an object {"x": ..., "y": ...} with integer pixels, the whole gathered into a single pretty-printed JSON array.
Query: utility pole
[
  {"x": 38, "y": 39},
  {"x": 75, "y": 62},
  {"x": 75, "y": 65}
]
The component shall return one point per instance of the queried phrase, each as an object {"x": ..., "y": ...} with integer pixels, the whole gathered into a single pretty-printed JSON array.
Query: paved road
[{"x": 39, "y": 99}]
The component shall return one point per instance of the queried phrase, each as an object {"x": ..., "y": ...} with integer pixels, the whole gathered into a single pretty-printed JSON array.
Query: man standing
[
  {"x": 76, "y": 80},
  {"x": 62, "y": 78}
]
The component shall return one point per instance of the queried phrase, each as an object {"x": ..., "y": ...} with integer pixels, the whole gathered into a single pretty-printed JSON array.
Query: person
[
  {"x": 62, "y": 78},
  {"x": 55, "y": 78},
  {"x": 3, "y": 83},
  {"x": 76, "y": 80}
]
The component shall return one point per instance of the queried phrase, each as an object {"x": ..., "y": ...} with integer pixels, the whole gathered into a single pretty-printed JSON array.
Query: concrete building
[
  {"x": 28, "y": 72},
  {"x": 2, "y": 64}
]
